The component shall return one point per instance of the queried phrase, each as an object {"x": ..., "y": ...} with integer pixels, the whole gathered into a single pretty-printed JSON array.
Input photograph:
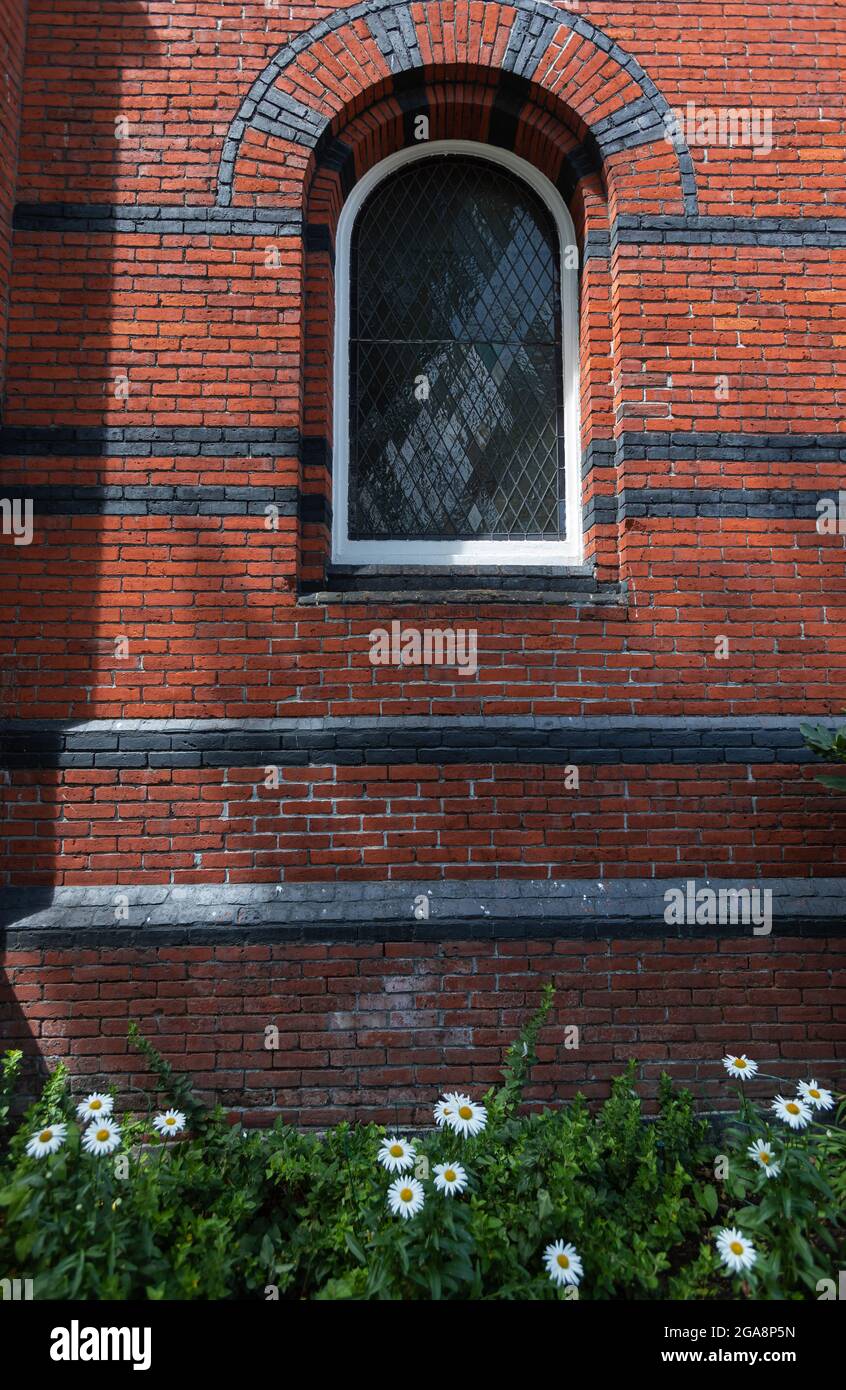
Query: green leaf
[
  {"x": 545, "y": 1204},
  {"x": 708, "y": 1199},
  {"x": 817, "y": 736}
]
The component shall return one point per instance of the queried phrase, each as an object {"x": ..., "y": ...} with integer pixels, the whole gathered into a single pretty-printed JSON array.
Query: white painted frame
[{"x": 566, "y": 550}]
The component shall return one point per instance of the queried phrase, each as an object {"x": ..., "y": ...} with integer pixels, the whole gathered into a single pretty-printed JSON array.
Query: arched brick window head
[{"x": 456, "y": 357}]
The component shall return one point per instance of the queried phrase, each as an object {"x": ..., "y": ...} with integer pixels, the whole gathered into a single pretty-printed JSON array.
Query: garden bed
[{"x": 491, "y": 1204}]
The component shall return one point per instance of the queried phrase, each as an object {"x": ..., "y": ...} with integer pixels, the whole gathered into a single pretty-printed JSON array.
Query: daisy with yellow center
[
  {"x": 794, "y": 1112},
  {"x": 405, "y": 1197},
  {"x": 447, "y": 1106},
  {"x": 450, "y": 1178},
  {"x": 397, "y": 1155},
  {"x": 563, "y": 1263},
  {"x": 762, "y": 1154},
  {"x": 468, "y": 1118},
  {"x": 169, "y": 1123},
  {"x": 46, "y": 1141},
  {"x": 95, "y": 1107},
  {"x": 740, "y": 1066},
  {"x": 816, "y": 1096},
  {"x": 735, "y": 1250},
  {"x": 101, "y": 1137}
]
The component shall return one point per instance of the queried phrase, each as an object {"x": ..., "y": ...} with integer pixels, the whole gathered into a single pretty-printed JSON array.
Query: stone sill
[{"x": 396, "y": 584}]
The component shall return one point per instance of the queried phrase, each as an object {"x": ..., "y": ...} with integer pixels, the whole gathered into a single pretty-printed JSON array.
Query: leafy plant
[
  {"x": 831, "y": 747},
  {"x": 10, "y": 1071},
  {"x": 175, "y": 1087},
  {"x": 222, "y": 1213}
]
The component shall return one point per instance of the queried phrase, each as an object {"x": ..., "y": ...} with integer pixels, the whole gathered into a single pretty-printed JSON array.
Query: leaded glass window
[{"x": 454, "y": 410}]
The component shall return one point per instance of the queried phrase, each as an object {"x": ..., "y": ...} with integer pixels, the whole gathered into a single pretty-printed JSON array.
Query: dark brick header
[
  {"x": 351, "y": 742},
  {"x": 473, "y": 910}
]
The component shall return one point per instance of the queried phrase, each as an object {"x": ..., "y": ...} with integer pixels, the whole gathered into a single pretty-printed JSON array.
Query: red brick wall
[
  {"x": 216, "y": 825},
  {"x": 377, "y": 1031},
  {"x": 12, "y": 37},
  {"x": 127, "y": 105}
]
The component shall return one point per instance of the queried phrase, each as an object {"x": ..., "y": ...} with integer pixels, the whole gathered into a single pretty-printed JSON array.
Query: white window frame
[{"x": 566, "y": 550}]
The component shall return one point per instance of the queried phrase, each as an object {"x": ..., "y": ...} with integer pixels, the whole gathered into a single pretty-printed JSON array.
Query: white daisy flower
[
  {"x": 102, "y": 1137},
  {"x": 396, "y": 1155},
  {"x": 794, "y": 1112},
  {"x": 450, "y": 1178},
  {"x": 405, "y": 1197},
  {"x": 171, "y": 1122},
  {"x": 735, "y": 1250},
  {"x": 815, "y": 1095},
  {"x": 742, "y": 1066},
  {"x": 442, "y": 1112},
  {"x": 763, "y": 1155},
  {"x": 95, "y": 1107},
  {"x": 563, "y": 1263},
  {"x": 447, "y": 1106},
  {"x": 46, "y": 1141},
  {"x": 469, "y": 1118}
]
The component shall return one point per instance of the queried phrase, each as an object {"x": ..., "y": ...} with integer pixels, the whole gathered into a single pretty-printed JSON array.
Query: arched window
[{"x": 456, "y": 367}]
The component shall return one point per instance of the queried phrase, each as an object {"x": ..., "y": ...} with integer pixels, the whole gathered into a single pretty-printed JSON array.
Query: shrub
[{"x": 191, "y": 1207}]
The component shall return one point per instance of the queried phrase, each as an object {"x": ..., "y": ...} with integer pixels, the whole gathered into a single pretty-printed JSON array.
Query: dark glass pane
[{"x": 455, "y": 359}]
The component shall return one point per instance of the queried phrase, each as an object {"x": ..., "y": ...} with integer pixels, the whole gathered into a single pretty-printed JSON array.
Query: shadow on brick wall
[{"x": 56, "y": 430}]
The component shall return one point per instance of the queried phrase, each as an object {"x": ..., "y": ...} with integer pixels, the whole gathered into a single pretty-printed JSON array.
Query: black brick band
[
  {"x": 788, "y": 503},
  {"x": 694, "y": 230},
  {"x": 578, "y": 163},
  {"x": 159, "y": 441},
  {"x": 141, "y": 441},
  {"x": 158, "y": 500},
  {"x": 163, "y": 218},
  {"x": 732, "y": 446},
  {"x": 585, "y": 741},
  {"x": 498, "y": 909}
]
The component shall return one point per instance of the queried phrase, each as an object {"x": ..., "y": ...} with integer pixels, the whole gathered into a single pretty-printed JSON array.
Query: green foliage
[
  {"x": 521, "y": 1057},
  {"x": 10, "y": 1071},
  {"x": 795, "y": 1220},
  {"x": 175, "y": 1087},
  {"x": 831, "y": 1154},
  {"x": 829, "y": 746},
  {"x": 226, "y": 1213}
]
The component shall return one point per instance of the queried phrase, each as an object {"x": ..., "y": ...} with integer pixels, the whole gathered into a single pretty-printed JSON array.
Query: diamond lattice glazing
[{"x": 455, "y": 359}]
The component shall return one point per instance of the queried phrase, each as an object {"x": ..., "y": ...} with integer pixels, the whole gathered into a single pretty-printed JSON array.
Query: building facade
[{"x": 424, "y": 514}]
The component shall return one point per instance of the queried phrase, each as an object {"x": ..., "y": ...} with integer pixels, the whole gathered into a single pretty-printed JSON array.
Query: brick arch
[
  {"x": 357, "y": 55},
  {"x": 472, "y": 109},
  {"x": 478, "y": 107}
]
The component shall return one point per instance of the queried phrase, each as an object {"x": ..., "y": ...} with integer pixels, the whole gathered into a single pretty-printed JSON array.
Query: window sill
[{"x": 363, "y": 584}]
